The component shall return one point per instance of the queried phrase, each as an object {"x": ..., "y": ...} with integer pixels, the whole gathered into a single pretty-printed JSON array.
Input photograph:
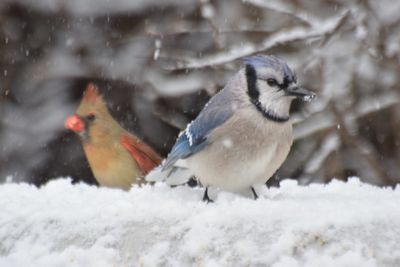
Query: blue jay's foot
[
  {"x": 254, "y": 193},
  {"x": 192, "y": 182},
  {"x": 205, "y": 196}
]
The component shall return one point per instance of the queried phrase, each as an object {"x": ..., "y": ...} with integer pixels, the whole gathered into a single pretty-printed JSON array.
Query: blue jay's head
[
  {"x": 272, "y": 73},
  {"x": 272, "y": 85}
]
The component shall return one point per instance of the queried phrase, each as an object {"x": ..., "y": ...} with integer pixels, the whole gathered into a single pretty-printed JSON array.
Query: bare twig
[
  {"x": 329, "y": 145},
  {"x": 325, "y": 120},
  {"x": 359, "y": 147},
  {"x": 283, "y": 37},
  {"x": 283, "y": 8}
]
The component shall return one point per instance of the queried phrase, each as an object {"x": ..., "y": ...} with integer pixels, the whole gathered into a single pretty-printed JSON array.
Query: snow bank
[{"x": 339, "y": 224}]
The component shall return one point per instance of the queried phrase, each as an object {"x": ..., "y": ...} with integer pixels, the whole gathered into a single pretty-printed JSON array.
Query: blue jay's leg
[
  {"x": 205, "y": 196},
  {"x": 254, "y": 193}
]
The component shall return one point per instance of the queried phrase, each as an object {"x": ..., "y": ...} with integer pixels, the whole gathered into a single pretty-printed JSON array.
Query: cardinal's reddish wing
[{"x": 144, "y": 155}]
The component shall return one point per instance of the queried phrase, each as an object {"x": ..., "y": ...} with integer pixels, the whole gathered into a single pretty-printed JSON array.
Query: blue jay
[{"x": 242, "y": 135}]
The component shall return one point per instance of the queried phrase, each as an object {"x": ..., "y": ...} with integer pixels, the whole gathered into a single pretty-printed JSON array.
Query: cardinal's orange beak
[{"x": 74, "y": 123}]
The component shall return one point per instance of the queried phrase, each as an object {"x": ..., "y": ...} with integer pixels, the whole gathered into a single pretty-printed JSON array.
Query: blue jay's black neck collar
[{"x": 254, "y": 94}]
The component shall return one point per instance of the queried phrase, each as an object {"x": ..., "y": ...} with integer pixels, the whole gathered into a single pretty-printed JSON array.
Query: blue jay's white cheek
[
  {"x": 273, "y": 99},
  {"x": 268, "y": 93}
]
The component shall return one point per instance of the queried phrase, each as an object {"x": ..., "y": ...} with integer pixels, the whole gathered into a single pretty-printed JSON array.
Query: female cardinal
[{"x": 116, "y": 157}]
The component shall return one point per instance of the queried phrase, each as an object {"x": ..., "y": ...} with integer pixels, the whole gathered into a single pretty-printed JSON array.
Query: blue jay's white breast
[{"x": 244, "y": 151}]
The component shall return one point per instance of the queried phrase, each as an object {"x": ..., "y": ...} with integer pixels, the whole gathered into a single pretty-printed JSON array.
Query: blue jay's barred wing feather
[
  {"x": 182, "y": 149},
  {"x": 194, "y": 138}
]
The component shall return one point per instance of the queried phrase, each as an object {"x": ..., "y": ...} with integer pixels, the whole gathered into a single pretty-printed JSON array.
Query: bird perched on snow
[
  {"x": 242, "y": 135},
  {"x": 117, "y": 158}
]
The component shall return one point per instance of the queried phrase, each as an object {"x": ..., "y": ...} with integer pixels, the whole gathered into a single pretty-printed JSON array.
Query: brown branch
[
  {"x": 297, "y": 13},
  {"x": 325, "y": 120},
  {"x": 293, "y": 35},
  {"x": 359, "y": 144}
]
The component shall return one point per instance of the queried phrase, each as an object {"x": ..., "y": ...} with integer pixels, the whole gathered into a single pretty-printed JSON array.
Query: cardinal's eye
[
  {"x": 91, "y": 117},
  {"x": 272, "y": 82}
]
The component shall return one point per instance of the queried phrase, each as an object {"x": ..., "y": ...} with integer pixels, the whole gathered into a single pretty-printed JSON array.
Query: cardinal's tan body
[
  {"x": 117, "y": 158},
  {"x": 112, "y": 164}
]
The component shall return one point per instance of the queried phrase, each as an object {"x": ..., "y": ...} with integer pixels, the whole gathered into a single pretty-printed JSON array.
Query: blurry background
[{"x": 158, "y": 61}]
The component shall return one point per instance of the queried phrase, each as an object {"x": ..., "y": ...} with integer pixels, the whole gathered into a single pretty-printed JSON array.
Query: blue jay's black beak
[{"x": 300, "y": 92}]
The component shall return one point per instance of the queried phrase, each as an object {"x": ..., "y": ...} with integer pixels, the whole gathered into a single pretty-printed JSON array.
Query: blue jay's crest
[{"x": 272, "y": 62}]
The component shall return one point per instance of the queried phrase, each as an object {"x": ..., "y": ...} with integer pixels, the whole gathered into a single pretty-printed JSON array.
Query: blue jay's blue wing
[{"x": 194, "y": 138}]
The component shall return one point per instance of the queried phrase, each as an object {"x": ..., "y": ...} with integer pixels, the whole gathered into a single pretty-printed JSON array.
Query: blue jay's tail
[{"x": 172, "y": 176}]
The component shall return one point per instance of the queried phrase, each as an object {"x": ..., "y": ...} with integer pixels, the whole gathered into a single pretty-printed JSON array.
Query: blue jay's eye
[{"x": 272, "y": 82}]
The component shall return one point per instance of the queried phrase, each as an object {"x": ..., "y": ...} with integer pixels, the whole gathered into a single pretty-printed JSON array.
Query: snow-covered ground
[{"x": 339, "y": 224}]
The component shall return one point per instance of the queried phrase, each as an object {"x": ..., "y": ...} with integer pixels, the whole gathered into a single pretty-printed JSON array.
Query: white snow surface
[{"x": 60, "y": 224}]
